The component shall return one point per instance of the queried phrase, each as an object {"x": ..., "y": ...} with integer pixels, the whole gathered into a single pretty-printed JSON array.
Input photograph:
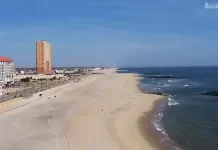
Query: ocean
[{"x": 186, "y": 119}]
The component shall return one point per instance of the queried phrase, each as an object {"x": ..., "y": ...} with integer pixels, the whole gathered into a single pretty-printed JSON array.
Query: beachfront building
[
  {"x": 59, "y": 71},
  {"x": 43, "y": 57},
  {"x": 1, "y": 91},
  {"x": 6, "y": 71}
]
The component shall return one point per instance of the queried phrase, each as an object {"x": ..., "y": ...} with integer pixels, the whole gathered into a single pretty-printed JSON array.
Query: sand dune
[{"x": 101, "y": 112}]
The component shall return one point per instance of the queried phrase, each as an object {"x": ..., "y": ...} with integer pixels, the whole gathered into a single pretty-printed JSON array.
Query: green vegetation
[
  {"x": 54, "y": 78},
  {"x": 42, "y": 79},
  {"x": 25, "y": 79}
]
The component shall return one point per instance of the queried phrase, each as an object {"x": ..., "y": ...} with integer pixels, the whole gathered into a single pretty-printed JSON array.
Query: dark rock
[
  {"x": 154, "y": 73},
  {"x": 211, "y": 93},
  {"x": 157, "y": 93},
  {"x": 162, "y": 77}
]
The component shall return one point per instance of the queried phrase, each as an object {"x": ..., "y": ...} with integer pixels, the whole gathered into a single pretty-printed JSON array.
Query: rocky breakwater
[
  {"x": 157, "y": 93},
  {"x": 211, "y": 93}
]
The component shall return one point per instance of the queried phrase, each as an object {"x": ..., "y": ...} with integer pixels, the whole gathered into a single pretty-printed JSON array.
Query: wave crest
[{"x": 172, "y": 102}]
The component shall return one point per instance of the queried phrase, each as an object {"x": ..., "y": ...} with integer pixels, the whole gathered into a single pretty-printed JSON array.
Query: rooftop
[{"x": 5, "y": 59}]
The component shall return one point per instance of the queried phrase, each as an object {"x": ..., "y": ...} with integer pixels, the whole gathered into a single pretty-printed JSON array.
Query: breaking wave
[
  {"x": 172, "y": 102},
  {"x": 157, "y": 123}
]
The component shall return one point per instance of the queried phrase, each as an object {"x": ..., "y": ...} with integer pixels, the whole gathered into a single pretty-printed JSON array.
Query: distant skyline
[{"x": 119, "y": 33}]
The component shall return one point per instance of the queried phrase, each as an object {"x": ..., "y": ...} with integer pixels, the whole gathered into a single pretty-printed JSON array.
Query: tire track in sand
[{"x": 64, "y": 143}]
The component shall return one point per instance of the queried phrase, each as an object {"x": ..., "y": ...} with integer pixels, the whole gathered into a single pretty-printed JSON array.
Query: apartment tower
[{"x": 43, "y": 57}]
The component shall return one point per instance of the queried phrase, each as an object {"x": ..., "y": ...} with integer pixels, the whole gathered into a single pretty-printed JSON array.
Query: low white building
[
  {"x": 37, "y": 76},
  {"x": 59, "y": 71},
  {"x": 22, "y": 72},
  {"x": 6, "y": 70}
]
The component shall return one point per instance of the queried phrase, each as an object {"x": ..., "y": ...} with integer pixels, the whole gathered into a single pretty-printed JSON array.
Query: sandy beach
[{"x": 101, "y": 112}]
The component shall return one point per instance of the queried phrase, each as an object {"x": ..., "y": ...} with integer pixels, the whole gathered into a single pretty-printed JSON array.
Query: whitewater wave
[
  {"x": 157, "y": 123},
  {"x": 177, "y": 148},
  {"x": 166, "y": 85},
  {"x": 172, "y": 102},
  {"x": 172, "y": 80},
  {"x": 156, "y": 88},
  {"x": 175, "y": 80}
]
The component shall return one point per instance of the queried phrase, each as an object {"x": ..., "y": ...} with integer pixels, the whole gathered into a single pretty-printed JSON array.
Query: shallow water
[{"x": 189, "y": 119}]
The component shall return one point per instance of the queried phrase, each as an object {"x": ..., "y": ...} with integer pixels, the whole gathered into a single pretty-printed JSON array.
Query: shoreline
[
  {"x": 144, "y": 124},
  {"x": 147, "y": 128},
  {"x": 139, "y": 111}
]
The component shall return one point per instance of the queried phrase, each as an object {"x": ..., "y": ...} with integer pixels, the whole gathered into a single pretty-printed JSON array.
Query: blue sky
[{"x": 111, "y": 32}]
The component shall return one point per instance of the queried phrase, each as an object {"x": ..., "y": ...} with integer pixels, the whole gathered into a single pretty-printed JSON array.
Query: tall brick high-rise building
[{"x": 43, "y": 58}]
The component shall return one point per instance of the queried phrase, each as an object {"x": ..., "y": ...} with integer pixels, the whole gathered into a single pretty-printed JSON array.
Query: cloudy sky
[{"x": 111, "y": 32}]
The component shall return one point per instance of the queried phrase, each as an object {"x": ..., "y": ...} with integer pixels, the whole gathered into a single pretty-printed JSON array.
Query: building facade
[
  {"x": 6, "y": 70},
  {"x": 43, "y": 58}
]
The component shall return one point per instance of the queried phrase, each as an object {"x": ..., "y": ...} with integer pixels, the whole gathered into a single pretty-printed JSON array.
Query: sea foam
[
  {"x": 157, "y": 123},
  {"x": 172, "y": 102}
]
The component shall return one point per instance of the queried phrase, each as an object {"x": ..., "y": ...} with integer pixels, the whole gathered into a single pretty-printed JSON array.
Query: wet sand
[{"x": 101, "y": 112}]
